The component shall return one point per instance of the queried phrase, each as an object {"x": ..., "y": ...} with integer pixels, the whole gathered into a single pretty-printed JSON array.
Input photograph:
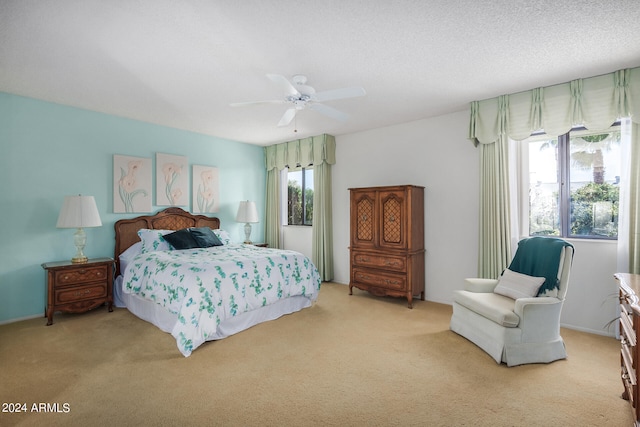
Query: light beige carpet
[{"x": 346, "y": 361}]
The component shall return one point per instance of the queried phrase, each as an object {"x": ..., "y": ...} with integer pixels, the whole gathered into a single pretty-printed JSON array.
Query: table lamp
[
  {"x": 79, "y": 212},
  {"x": 247, "y": 213}
]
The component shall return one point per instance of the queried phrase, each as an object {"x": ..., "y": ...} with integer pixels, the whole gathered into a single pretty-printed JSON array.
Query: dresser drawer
[
  {"x": 630, "y": 389},
  {"x": 78, "y": 293},
  {"x": 629, "y": 378},
  {"x": 81, "y": 275},
  {"x": 381, "y": 280},
  {"x": 386, "y": 262},
  {"x": 626, "y": 326}
]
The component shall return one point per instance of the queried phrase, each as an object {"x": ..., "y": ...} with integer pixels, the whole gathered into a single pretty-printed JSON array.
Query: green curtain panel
[
  {"x": 319, "y": 151},
  {"x": 322, "y": 233},
  {"x": 595, "y": 103},
  {"x": 495, "y": 229},
  {"x": 272, "y": 209}
]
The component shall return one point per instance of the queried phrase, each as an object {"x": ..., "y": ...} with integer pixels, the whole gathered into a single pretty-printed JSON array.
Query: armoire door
[
  {"x": 393, "y": 219},
  {"x": 363, "y": 219}
]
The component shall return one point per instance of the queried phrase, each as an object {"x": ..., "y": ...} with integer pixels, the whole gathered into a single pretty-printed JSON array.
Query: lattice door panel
[
  {"x": 392, "y": 220},
  {"x": 365, "y": 220}
]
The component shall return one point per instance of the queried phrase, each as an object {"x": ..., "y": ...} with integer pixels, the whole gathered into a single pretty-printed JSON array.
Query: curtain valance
[
  {"x": 595, "y": 103},
  {"x": 304, "y": 152}
]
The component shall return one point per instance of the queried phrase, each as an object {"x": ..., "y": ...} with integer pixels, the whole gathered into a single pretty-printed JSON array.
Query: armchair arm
[
  {"x": 522, "y": 303},
  {"x": 480, "y": 285},
  {"x": 539, "y": 318}
]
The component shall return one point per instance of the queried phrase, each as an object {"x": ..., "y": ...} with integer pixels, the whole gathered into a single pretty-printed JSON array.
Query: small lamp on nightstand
[
  {"x": 79, "y": 212},
  {"x": 247, "y": 213}
]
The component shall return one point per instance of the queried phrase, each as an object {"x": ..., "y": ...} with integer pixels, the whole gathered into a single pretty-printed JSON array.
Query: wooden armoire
[{"x": 387, "y": 241}]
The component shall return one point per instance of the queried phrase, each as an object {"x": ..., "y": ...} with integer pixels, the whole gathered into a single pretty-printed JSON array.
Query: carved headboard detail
[{"x": 167, "y": 219}]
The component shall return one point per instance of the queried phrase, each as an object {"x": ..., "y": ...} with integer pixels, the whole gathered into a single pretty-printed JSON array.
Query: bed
[{"x": 207, "y": 292}]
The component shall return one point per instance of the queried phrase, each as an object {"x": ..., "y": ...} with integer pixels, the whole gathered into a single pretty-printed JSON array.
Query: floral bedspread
[{"x": 205, "y": 286}]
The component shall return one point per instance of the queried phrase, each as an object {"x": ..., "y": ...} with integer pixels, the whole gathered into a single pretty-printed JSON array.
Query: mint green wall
[{"x": 48, "y": 151}]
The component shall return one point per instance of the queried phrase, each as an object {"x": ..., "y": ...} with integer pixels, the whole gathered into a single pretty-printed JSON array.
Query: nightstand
[
  {"x": 261, "y": 245},
  {"x": 76, "y": 288}
]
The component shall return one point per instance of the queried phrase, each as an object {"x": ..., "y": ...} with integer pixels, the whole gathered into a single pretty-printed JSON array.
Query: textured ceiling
[{"x": 181, "y": 63}]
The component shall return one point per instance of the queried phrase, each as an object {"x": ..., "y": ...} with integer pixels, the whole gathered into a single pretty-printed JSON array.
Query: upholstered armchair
[{"x": 516, "y": 318}]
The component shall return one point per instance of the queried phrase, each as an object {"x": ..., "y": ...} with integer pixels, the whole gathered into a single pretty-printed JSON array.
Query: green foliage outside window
[
  {"x": 299, "y": 204},
  {"x": 590, "y": 206},
  {"x": 594, "y": 210}
]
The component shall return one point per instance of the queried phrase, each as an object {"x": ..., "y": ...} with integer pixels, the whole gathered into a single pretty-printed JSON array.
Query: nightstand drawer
[
  {"x": 78, "y": 293},
  {"x": 81, "y": 275}
]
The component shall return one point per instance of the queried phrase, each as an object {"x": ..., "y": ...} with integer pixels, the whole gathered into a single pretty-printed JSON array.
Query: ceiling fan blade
[
  {"x": 347, "y": 92},
  {"x": 329, "y": 111},
  {"x": 287, "y": 117},
  {"x": 243, "y": 104},
  {"x": 289, "y": 89}
]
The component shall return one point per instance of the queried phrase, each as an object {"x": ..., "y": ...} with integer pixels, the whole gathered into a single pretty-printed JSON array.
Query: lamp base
[
  {"x": 79, "y": 239},
  {"x": 247, "y": 233}
]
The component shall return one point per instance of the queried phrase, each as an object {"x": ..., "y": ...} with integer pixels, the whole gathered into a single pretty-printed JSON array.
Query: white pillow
[
  {"x": 126, "y": 256},
  {"x": 517, "y": 285},
  {"x": 152, "y": 240},
  {"x": 223, "y": 236}
]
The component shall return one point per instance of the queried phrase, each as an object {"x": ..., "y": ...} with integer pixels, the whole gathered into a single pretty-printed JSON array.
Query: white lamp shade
[
  {"x": 247, "y": 212},
  {"x": 78, "y": 212}
]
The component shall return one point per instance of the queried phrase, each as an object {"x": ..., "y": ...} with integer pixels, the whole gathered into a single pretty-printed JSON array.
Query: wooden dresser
[
  {"x": 387, "y": 241},
  {"x": 629, "y": 335}
]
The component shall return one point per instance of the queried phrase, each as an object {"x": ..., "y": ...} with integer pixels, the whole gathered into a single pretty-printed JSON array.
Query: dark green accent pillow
[
  {"x": 205, "y": 237},
  {"x": 181, "y": 239}
]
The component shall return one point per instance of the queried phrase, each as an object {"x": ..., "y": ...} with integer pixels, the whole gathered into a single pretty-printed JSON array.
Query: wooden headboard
[{"x": 167, "y": 219}]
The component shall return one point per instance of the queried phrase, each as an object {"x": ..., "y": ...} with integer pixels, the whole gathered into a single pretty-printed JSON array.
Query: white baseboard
[
  {"x": 607, "y": 333},
  {"x": 19, "y": 319}
]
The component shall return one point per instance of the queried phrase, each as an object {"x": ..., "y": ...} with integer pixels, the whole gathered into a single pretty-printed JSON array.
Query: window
[
  {"x": 300, "y": 196},
  {"x": 574, "y": 184}
]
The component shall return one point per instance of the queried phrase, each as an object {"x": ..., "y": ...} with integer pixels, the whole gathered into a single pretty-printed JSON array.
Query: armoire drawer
[
  {"x": 386, "y": 262},
  {"x": 379, "y": 279}
]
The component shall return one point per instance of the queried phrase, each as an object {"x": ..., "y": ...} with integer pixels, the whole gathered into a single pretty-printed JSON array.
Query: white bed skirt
[{"x": 165, "y": 320}]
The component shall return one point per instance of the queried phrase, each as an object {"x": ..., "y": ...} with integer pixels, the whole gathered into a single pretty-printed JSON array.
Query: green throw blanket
[{"x": 540, "y": 257}]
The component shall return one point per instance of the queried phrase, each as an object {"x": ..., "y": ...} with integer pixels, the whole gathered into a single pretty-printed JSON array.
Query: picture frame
[
  {"x": 205, "y": 185},
  {"x": 172, "y": 181},
  {"x": 131, "y": 184}
]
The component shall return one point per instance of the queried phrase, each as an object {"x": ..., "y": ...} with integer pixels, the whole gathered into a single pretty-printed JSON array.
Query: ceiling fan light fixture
[{"x": 299, "y": 79}]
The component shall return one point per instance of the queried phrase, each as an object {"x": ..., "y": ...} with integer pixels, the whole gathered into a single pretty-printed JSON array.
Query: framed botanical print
[
  {"x": 205, "y": 189},
  {"x": 172, "y": 182},
  {"x": 131, "y": 184}
]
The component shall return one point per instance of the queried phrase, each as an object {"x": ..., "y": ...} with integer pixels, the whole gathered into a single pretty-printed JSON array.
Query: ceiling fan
[{"x": 301, "y": 96}]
